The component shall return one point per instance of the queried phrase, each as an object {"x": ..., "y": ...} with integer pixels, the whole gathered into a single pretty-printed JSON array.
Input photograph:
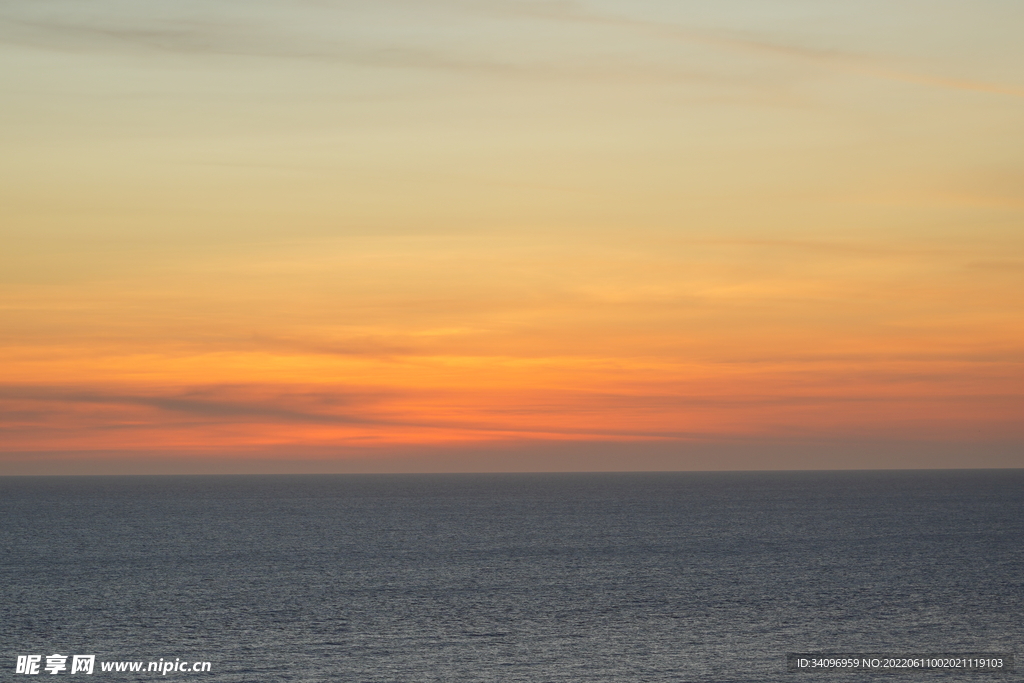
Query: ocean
[{"x": 510, "y": 577}]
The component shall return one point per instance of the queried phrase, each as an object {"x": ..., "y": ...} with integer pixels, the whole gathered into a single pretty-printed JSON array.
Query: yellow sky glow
[{"x": 707, "y": 235}]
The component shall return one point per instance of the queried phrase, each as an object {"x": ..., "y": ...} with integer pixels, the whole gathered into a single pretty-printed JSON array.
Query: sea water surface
[{"x": 515, "y": 577}]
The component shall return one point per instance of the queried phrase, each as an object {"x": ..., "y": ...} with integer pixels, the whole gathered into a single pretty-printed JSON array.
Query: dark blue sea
[{"x": 515, "y": 577}]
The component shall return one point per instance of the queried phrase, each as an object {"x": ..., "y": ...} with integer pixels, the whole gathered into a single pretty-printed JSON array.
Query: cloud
[
  {"x": 242, "y": 30},
  {"x": 214, "y": 404},
  {"x": 323, "y": 31},
  {"x": 837, "y": 60},
  {"x": 1006, "y": 265}
]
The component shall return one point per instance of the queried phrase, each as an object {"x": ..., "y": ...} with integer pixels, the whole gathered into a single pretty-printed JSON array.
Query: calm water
[{"x": 576, "y": 577}]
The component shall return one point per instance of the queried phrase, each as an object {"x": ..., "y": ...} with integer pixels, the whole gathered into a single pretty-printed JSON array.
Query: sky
[{"x": 510, "y": 235}]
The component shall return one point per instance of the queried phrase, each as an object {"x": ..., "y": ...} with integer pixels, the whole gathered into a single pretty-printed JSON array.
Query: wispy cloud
[
  {"x": 208, "y": 406},
  {"x": 1007, "y": 265},
  {"x": 324, "y": 32},
  {"x": 836, "y": 59},
  {"x": 211, "y": 402},
  {"x": 238, "y": 32}
]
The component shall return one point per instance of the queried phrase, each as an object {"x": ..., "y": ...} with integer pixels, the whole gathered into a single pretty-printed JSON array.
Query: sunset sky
[{"x": 510, "y": 235}]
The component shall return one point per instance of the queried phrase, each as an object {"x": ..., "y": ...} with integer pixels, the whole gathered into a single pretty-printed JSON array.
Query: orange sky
[{"x": 510, "y": 236}]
